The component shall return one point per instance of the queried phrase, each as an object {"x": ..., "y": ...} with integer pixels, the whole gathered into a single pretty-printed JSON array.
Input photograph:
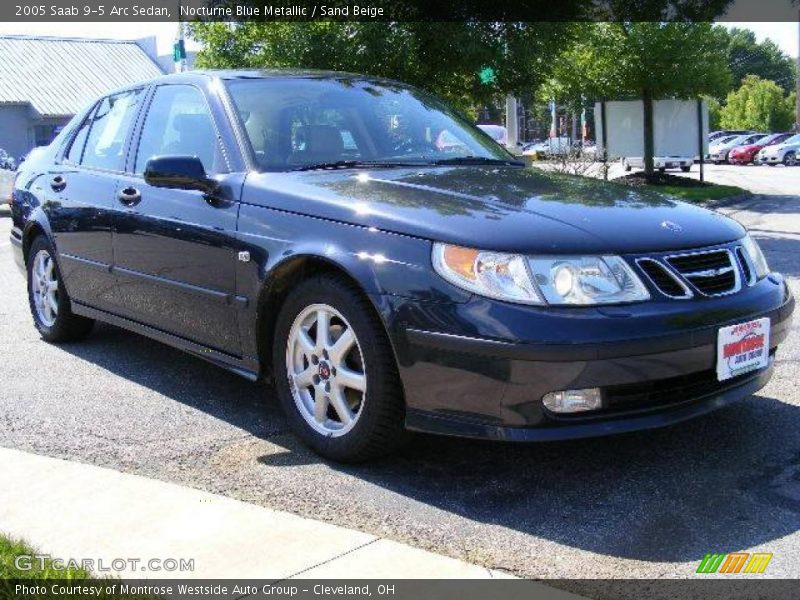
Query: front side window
[
  {"x": 110, "y": 124},
  {"x": 294, "y": 123},
  {"x": 178, "y": 123}
]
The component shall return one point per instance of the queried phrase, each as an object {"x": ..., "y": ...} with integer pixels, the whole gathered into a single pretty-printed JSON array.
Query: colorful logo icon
[{"x": 735, "y": 562}]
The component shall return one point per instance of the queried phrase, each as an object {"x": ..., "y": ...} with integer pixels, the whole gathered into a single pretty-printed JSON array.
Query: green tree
[
  {"x": 442, "y": 57},
  {"x": 759, "y": 105},
  {"x": 748, "y": 57},
  {"x": 647, "y": 60},
  {"x": 714, "y": 113}
]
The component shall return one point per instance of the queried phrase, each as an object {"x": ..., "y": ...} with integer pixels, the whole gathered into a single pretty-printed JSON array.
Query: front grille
[
  {"x": 745, "y": 266},
  {"x": 712, "y": 273},
  {"x": 663, "y": 279}
]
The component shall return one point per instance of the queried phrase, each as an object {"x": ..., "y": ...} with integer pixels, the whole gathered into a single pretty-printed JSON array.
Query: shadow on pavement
[{"x": 727, "y": 481}]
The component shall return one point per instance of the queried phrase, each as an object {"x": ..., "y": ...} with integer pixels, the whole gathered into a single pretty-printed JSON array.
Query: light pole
[{"x": 179, "y": 48}]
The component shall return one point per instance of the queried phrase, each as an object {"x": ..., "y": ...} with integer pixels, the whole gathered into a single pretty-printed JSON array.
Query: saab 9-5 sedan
[{"x": 387, "y": 265}]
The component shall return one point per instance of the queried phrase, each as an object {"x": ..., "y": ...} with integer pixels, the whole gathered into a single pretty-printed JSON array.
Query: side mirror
[{"x": 179, "y": 173}]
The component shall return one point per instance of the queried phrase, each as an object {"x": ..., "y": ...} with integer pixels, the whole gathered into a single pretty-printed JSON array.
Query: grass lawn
[
  {"x": 701, "y": 194},
  {"x": 10, "y": 549},
  {"x": 683, "y": 188},
  {"x": 11, "y": 575}
]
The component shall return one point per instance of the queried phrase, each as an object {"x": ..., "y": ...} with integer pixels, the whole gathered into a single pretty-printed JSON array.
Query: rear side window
[
  {"x": 75, "y": 151},
  {"x": 178, "y": 123},
  {"x": 105, "y": 144}
]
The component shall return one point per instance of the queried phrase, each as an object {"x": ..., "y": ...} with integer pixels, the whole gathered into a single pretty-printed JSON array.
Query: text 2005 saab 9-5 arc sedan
[{"x": 388, "y": 265}]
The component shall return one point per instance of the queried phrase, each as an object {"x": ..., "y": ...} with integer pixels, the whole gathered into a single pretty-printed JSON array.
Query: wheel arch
[
  {"x": 279, "y": 282},
  {"x": 35, "y": 227}
]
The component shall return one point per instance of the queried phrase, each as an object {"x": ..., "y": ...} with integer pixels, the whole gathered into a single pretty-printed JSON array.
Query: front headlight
[
  {"x": 493, "y": 274},
  {"x": 755, "y": 256},
  {"x": 587, "y": 280},
  {"x": 558, "y": 280}
]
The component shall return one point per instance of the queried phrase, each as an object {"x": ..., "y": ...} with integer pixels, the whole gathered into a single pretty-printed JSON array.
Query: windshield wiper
[
  {"x": 356, "y": 164},
  {"x": 478, "y": 160}
]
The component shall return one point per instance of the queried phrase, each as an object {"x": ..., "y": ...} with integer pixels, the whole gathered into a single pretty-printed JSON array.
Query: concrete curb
[{"x": 73, "y": 510}]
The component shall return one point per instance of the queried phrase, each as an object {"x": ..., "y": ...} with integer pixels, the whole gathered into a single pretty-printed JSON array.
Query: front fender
[{"x": 383, "y": 264}]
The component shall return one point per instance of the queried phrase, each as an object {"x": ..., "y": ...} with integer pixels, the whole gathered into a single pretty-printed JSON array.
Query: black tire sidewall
[{"x": 380, "y": 379}]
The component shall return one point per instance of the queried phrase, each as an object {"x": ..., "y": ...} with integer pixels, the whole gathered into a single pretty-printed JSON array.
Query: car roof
[{"x": 231, "y": 74}]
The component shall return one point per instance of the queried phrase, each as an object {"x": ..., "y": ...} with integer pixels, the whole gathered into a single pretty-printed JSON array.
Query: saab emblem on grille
[{"x": 671, "y": 226}]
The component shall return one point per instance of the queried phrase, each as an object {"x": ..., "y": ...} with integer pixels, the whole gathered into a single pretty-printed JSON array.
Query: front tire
[
  {"x": 49, "y": 303},
  {"x": 790, "y": 159},
  {"x": 686, "y": 169},
  {"x": 335, "y": 372}
]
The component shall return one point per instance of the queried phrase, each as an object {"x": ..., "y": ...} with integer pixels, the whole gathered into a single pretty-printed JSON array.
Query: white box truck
[{"x": 678, "y": 135}]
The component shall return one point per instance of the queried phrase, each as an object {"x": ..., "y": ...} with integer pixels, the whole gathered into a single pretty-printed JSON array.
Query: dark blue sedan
[{"x": 387, "y": 264}]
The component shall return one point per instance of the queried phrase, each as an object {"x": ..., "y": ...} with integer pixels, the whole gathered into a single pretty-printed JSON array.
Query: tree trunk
[
  {"x": 647, "y": 126},
  {"x": 797, "y": 83}
]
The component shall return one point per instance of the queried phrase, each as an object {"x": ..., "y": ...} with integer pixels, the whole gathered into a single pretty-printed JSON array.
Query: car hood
[
  {"x": 747, "y": 148},
  {"x": 506, "y": 209}
]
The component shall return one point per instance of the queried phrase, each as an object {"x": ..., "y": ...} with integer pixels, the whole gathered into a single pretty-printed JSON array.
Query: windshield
[
  {"x": 297, "y": 123},
  {"x": 792, "y": 140}
]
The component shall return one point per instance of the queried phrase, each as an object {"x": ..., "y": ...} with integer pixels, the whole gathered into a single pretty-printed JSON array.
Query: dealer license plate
[{"x": 742, "y": 348}]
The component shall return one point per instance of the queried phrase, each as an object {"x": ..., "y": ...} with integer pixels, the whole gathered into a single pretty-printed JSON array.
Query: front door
[{"x": 174, "y": 255}]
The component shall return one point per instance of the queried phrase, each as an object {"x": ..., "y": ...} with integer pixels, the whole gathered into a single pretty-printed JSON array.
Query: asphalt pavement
[{"x": 647, "y": 504}]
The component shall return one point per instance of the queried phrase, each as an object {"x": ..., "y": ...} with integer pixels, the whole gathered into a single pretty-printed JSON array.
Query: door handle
[
  {"x": 130, "y": 196},
  {"x": 58, "y": 183}
]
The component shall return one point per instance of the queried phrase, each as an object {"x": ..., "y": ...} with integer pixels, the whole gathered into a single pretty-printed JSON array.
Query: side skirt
[{"x": 246, "y": 367}]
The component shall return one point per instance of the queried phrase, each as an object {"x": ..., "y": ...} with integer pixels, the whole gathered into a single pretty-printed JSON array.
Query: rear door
[
  {"x": 83, "y": 188},
  {"x": 174, "y": 250}
]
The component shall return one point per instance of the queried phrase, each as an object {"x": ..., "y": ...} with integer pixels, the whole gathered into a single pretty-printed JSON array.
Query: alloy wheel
[
  {"x": 44, "y": 287},
  {"x": 790, "y": 159},
  {"x": 325, "y": 368}
]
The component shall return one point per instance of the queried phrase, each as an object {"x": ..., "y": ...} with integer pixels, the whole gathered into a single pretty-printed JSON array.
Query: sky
[{"x": 785, "y": 35}]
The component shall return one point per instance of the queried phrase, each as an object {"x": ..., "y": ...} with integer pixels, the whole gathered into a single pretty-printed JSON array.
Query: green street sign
[{"x": 487, "y": 75}]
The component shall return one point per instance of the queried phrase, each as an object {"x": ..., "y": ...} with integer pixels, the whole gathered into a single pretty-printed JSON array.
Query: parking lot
[{"x": 649, "y": 504}]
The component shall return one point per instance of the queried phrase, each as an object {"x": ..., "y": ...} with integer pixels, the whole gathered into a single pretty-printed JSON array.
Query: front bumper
[
  {"x": 771, "y": 159},
  {"x": 741, "y": 159},
  {"x": 672, "y": 163},
  {"x": 477, "y": 386}
]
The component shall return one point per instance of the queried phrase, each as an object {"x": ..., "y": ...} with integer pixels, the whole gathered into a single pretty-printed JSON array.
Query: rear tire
[
  {"x": 48, "y": 300},
  {"x": 347, "y": 405},
  {"x": 686, "y": 169}
]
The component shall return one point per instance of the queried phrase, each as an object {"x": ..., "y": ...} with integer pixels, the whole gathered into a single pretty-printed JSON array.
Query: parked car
[
  {"x": 662, "y": 163},
  {"x": 497, "y": 132},
  {"x": 742, "y": 155},
  {"x": 718, "y": 153},
  {"x": 7, "y": 161},
  {"x": 784, "y": 153},
  {"x": 716, "y": 135},
  {"x": 554, "y": 146},
  {"x": 303, "y": 227}
]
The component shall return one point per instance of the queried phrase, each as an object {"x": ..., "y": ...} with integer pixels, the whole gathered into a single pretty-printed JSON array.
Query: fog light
[{"x": 572, "y": 401}]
